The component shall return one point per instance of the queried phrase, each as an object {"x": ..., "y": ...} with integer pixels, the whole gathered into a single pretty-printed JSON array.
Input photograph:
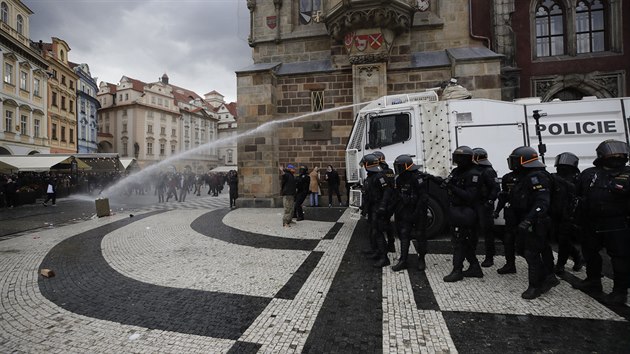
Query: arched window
[
  {"x": 4, "y": 12},
  {"x": 549, "y": 28},
  {"x": 590, "y": 26},
  {"x": 308, "y": 10},
  {"x": 20, "y": 24}
]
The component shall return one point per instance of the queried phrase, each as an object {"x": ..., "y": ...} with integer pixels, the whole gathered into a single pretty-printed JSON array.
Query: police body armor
[
  {"x": 606, "y": 197},
  {"x": 463, "y": 196},
  {"x": 508, "y": 182},
  {"x": 526, "y": 201},
  {"x": 412, "y": 189}
]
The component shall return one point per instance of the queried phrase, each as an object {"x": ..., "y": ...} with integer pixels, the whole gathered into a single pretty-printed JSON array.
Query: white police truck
[{"x": 429, "y": 130}]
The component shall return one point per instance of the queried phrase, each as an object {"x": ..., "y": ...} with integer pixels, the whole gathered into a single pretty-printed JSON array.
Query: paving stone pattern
[{"x": 195, "y": 277}]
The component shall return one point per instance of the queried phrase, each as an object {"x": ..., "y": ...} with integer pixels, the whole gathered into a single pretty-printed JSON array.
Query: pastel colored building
[{"x": 87, "y": 109}]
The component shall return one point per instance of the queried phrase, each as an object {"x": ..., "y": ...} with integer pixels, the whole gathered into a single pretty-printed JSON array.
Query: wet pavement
[{"x": 198, "y": 277}]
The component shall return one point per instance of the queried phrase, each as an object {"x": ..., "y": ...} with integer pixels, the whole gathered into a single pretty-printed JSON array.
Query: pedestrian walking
[
  {"x": 288, "y": 189},
  {"x": 302, "y": 182},
  {"x": 332, "y": 178},
  {"x": 51, "y": 192},
  {"x": 10, "y": 190},
  {"x": 314, "y": 187},
  {"x": 232, "y": 180}
]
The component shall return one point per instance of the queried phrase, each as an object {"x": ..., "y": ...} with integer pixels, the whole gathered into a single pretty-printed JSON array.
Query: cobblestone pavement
[{"x": 198, "y": 277}]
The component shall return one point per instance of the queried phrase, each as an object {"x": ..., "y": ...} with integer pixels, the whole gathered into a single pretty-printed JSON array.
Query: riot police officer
[
  {"x": 530, "y": 200},
  {"x": 562, "y": 210},
  {"x": 462, "y": 186},
  {"x": 389, "y": 175},
  {"x": 508, "y": 181},
  {"x": 302, "y": 182},
  {"x": 489, "y": 192},
  {"x": 604, "y": 192},
  {"x": 411, "y": 190},
  {"x": 377, "y": 199}
]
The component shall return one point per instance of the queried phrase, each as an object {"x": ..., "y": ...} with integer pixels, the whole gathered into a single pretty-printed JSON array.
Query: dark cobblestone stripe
[
  {"x": 422, "y": 292},
  {"x": 350, "y": 320},
  {"x": 484, "y": 333},
  {"x": 333, "y": 231},
  {"x": 244, "y": 348},
  {"x": 85, "y": 284},
  {"x": 211, "y": 225},
  {"x": 293, "y": 286},
  {"x": 323, "y": 213}
]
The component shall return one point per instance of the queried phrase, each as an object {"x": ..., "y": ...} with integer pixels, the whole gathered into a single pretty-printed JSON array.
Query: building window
[
  {"x": 8, "y": 73},
  {"x": 124, "y": 112},
  {"x": 36, "y": 87},
  {"x": 71, "y": 84},
  {"x": 153, "y": 100},
  {"x": 159, "y": 101},
  {"x": 124, "y": 127},
  {"x": 63, "y": 79},
  {"x": 20, "y": 24},
  {"x": 63, "y": 102},
  {"x": 126, "y": 97},
  {"x": 71, "y": 136},
  {"x": 172, "y": 132},
  {"x": 24, "y": 124},
  {"x": 149, "y": 148},
  {"x": 8, "y": 121},
  {"x": 54, "y": 131},
  {"x": 71, "y": 106},
  {"x": 230, "y": 156},
  {"x": 54, "y": 73},
  {"x": 590, "y": 26},
  {"x": 150, "y": 129},
  {"x": 308, "y": 10},
  {"x": 162, "y": 130},
  {"x": 82, "y": 106},
  {"x": 36, "y": 128},
  {"x": 23, "y": 80},
  {"x": 124, "y": 146},
  {"x": 172, "y": 149},
  {"x": 54, "y": 99},
  {"x": 150, "y": 114},
  {"x": 549, "y": 28},
  {"x": 317, "y": 101},
  {"x": 63, "y": 133},
  {"x": 107, "y": 129},
  {"x": 162, "y": 149},
  {"x": 4, "y": 12}
]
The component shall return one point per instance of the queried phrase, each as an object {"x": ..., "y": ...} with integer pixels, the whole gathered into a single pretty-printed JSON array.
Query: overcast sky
[{"x": 199, "y": 44}]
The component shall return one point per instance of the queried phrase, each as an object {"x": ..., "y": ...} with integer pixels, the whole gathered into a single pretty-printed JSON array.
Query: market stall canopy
[
  {"x": 128, "y": 162},
  {"x": 40, "y": 162},
  {"x": 224, "y": 169},
  {"x": 102, "y": 162},
  {"x": 6, "y": 168}
]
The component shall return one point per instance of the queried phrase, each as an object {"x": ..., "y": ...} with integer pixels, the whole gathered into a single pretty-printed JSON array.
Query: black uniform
[
  {"x": 531, "y": 199},
  {"x": 489, "y": 192},
  {"x": 302, "y": 182},
  {"x": 389, "y": 228},
  {"x": 463, "y": 192},
  {"x": 508, "y": 181},
  {"x": 411, "y": 190},
  {"x": 562, "y": 215},
  {"x": 232, "y": 180},
  {"x": 377, "y": 199},
  {"x": 605, "y": 199}
]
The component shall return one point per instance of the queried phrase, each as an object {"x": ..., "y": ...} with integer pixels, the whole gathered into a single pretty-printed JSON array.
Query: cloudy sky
[{"x": 199, "y": 44}]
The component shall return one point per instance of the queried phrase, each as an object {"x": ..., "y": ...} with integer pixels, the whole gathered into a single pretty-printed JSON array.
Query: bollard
[{"x": 102, "y": 207}]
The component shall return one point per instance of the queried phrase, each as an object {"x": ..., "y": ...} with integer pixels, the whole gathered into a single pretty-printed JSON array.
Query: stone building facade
[
  {"x": 323, "y": 58},
  {"x": 23, "y": 99}
]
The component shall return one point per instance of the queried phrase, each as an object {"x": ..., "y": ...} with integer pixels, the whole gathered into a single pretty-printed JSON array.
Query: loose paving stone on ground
[{"x": 197, "y": 277}]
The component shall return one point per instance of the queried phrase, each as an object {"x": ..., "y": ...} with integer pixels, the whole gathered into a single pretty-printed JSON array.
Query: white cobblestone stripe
[
  {"x": 284, "y": 325},
  {"x": 496, "y": 293},
  {"x": 164, "y": 250},
  {"x": 268, "y": 221},
  {"x": 29, "y": 323},
  {"x": 405, "y": 328},
  {"x": 607, "y": 283}
]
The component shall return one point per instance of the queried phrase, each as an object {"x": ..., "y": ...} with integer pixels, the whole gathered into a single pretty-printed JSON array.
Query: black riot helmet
[
  {"x": 524, "y": 157},
  {"x": 463, "y": 156},
  {"x": 404, "y": 163},
  {"x": 567, "y": 159},
  {"x": 371, "y": 163},
  {"x": 481, "y": 157},
  {"x": 380, "y": 155},
  {"x": 303, "y": 170},
  {"x": 612, "y": 153}
]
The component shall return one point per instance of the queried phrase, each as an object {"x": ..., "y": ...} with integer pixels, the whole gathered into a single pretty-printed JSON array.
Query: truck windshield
[{"x": 388, "y": 129}]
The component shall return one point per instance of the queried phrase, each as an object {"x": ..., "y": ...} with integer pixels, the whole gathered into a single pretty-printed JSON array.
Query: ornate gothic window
[
  {"x": 308, "y": 10},
  {"x": 590, "y": 26},
  {"x": 549, "y": 28}
]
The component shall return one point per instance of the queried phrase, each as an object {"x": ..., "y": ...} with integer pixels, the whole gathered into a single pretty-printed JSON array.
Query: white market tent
[
  {"x": 126, "y": 161},
  {"x": 36, "y": 163},
  {"x": 224, "y": 169}
]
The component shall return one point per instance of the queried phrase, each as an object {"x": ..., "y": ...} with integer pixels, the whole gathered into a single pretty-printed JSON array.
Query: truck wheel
[{"x": 435, "y": 219}]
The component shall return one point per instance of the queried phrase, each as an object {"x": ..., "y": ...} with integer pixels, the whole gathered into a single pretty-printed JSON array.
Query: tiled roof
[
  {"x": 231, "y": 107},
  {"x": 136, "y": 85},
  {"x": 184, "y": 95},
  {"x": 213, "y": 92}
]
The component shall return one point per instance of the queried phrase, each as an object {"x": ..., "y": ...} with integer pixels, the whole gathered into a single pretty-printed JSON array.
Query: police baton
[{"x": 542, "y": 148}]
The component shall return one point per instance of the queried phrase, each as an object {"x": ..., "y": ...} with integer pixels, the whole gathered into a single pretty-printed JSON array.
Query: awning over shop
[
  {"x": 102, "y": 162},
  {"x": 6, "y": 168},
  {"x": 224, "y": 169},
  {"x": 128, "y": 161},
  {"x": 40, "y": 163}
]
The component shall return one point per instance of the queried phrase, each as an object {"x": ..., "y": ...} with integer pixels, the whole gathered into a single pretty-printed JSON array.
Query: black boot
[
  {"x": 474, "y": 271},
  {"x": 382, "y": 262},
  {"x": 589, "y": 285},
  {"x": 422, "y": 265},
  {"x": 531, "y": 293},
  {"x": 456, "y": 275},
  {"x": 558, "y": 269},
  {"x": 578, "y": 264},
  {"x": 508, "y": 268},
  {"x": 615, "y": 298},
  {"x": 402, "y": 264},
  {"x": 391, "y": 247},
  {"x": 488, "y": 262},
  {"x": 549, "y": 282}
]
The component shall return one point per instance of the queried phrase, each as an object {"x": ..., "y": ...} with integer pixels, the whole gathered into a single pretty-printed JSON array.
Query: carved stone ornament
[
  {"x": 395, "y": 18},
  {"x": 368, "y": 70}
]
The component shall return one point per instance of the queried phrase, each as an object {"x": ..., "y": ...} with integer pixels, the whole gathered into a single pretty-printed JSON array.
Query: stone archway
[
  {"x": 105, "y": 146},
  {"x": 574, "y": 85},
  {"x": 4, "y": 151},
  {"x": 34, "y": 152}
]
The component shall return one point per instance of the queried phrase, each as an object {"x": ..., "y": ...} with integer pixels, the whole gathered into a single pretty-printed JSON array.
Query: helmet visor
[
  {"x": 613, "y": 148},
  {"x": 567, "y": 159}
]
